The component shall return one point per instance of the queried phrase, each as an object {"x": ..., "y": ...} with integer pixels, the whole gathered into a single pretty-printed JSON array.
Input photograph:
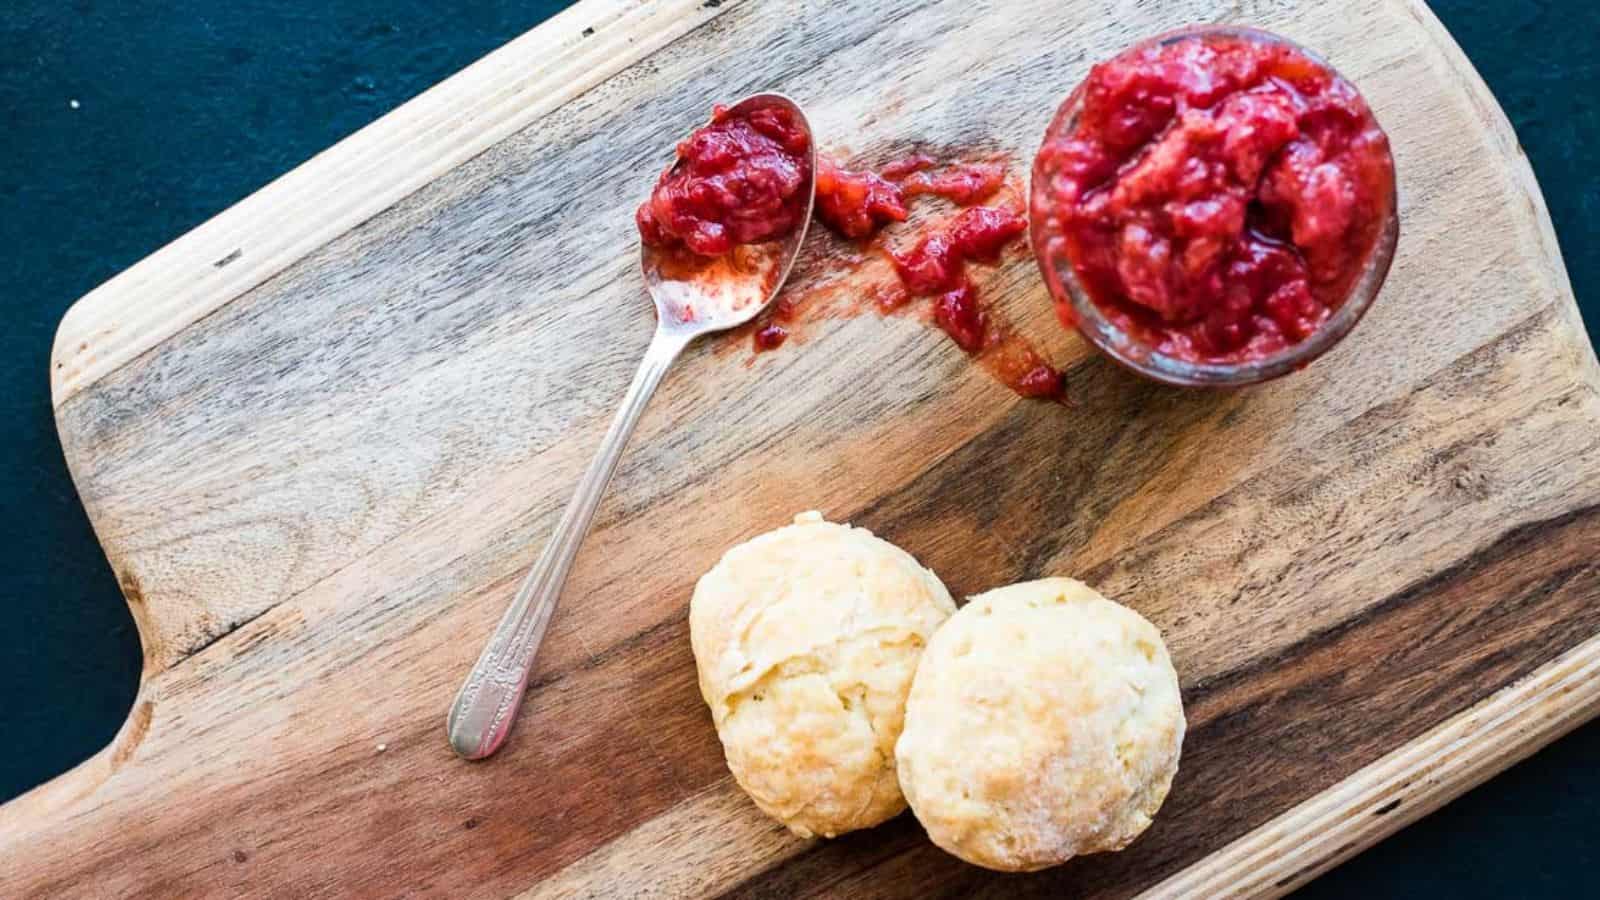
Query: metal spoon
[{"x": 691, "y": 298}]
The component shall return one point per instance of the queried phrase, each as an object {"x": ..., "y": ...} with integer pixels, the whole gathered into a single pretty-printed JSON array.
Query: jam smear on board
[{"x": 857, "y": 204}]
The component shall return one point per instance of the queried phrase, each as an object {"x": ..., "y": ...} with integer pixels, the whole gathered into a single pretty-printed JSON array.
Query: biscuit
[
  {"x": 805, "y": 640},
  {"x": 1044, "y": 722}
]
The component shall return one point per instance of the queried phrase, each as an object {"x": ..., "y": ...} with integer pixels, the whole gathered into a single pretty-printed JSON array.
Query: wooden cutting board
[{"x": 322, "y": 436}]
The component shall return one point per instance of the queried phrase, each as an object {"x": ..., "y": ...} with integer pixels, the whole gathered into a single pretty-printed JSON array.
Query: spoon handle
[{"x": 483, "y": 711}]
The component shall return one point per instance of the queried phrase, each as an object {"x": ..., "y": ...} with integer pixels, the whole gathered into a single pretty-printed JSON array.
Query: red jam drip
[
  {"x": 772, "y": 330},
  {"x": 856, "y": 204},
  {"x": 740, "y": 179},
  {"x": 1040, "y": 381},
  {"x": 958, "y": 314},
  {"x": 963, "y": 185},
  {"x": 1218, "y": 196},
  {"x": 770, "y": 337},
  {"x": 935, "y": 264},
  {"x": 898, "y": 169}
]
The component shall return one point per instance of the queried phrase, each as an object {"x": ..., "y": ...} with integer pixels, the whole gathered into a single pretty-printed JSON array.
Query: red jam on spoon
[
  {"x": 739, "y": 183},
  {"x": 740, "y": 179}
]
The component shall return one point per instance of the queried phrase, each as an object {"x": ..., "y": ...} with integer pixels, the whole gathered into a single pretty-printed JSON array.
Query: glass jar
[{"x": 1079, "y": 308}]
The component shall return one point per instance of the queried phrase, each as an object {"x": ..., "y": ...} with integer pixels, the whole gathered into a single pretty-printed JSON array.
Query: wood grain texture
[{"x": 322, "y": 436}]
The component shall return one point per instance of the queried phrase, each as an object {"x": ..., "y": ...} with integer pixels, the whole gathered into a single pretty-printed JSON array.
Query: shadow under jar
[{"x": 1214, "y": 207}]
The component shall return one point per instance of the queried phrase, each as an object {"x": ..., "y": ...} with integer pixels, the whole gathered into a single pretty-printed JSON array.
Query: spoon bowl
[
  {"x": 703, "y": 294},
  {"x": 693, "y": 296}
]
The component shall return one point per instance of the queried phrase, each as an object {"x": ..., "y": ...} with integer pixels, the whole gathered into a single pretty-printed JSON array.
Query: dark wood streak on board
[
  {"x": 1259, "y": 735},
  {"x": 1035, "y": 484}
]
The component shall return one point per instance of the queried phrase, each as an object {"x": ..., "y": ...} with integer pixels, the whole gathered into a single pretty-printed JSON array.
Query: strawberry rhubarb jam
[
  {"x": 1214, "y": 196},
  {"x": 740, "y": 179},
  {"x": 855, "y": 204}
]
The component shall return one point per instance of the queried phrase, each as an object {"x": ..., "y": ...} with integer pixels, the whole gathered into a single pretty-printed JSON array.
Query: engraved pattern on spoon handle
[{"x": 481, "y": 716}]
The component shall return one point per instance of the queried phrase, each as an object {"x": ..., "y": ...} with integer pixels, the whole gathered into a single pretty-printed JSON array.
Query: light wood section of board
[
  {"x": 322, "y": 437},
  {"x": 260, "y": 236}
]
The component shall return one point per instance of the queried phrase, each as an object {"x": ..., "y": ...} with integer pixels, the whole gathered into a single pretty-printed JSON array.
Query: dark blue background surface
[{"x": 184, "y": 108}]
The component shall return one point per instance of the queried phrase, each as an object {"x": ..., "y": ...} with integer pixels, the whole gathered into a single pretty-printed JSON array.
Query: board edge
[
  {"x": 1401, "y": 787},
  {"x": 357, "y": 178},
  {"x": 1462, "y": 752},
  {"x": 91, "y": 343}
]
